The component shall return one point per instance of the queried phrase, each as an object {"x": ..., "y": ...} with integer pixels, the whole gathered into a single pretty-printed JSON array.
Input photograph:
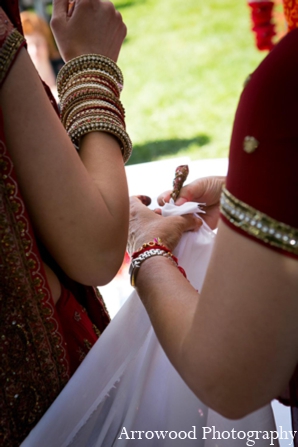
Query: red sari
[{"x": 39, "y": 350}]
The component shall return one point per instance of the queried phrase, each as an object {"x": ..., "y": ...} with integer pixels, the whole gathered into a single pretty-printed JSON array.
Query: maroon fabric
[
  {"x": 11, "y": 7},
  {"x": 294, "y": 414},
  {"x": 78, "y": 329},
  {"x": 267, "y": 178}
]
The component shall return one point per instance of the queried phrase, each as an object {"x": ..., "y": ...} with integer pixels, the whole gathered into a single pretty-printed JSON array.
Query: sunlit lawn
[{"x": 184, "y": 63}]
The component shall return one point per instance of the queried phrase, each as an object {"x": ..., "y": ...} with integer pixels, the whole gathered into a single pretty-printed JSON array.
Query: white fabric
[
  {"x": 170, "y": 209},
  {"x": 126, "y": 381}
]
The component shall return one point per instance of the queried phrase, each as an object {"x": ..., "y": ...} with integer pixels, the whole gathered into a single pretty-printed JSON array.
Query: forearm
[
  {"x": 234, "y": 344},
  {"x": 170, "y": 301},
  {"x": 102, "y": 157},
  {"x": 65, "y": 203}
]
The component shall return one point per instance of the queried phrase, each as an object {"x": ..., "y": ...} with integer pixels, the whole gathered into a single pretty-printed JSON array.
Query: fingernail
[{"x": 145, "y": 200}]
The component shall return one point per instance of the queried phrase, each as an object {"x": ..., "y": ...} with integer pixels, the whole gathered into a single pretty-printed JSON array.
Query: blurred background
[{"x": 184, "y": 64}]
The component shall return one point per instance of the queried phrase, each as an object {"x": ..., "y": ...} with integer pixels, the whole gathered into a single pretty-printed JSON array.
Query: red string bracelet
[{"x": 148, "y": 250}]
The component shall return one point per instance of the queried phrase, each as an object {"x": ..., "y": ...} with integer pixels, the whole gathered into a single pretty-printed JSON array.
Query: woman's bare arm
[
  {"x": 79, "y": 210},
  {"x": 236, "y": 343}
]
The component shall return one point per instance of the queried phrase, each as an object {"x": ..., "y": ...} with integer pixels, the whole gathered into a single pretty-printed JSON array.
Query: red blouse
[
  {"x": 260, "y": 200},
  {"x": 261, "y": 196}
]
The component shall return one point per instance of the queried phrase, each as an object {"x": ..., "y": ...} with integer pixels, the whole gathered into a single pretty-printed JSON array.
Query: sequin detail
[
  {"x": 258, "y": 224},
  {"x": 250, "y": 144},
  {"x": 33, "y": 367},
  {"x": 247, "y": 81}
]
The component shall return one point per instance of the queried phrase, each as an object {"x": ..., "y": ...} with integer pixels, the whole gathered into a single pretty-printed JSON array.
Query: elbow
[
  {"x": 231, "y": 406},
  {"x": 231, "y": 411},
  {"x": 232, "y": 387},
  {"x": 97, "y": 270},
  {"x": 232, "y": 399}
]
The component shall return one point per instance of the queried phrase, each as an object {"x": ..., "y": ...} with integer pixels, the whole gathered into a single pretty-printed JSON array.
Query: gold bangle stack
[{"x": 89, "y": 88}]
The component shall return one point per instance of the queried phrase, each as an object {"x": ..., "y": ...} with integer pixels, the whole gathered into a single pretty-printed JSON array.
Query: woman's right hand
[
  {"x": 203, "y": 190},
  {"x": 93, "y": 26},
  {"x": 145, "y": 225}
]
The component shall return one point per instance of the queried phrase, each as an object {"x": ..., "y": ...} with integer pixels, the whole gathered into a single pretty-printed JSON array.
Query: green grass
[{"x": 184, "y": 64}]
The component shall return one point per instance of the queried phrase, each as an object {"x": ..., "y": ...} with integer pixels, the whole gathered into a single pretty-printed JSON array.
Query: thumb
[
  {"x": 180, "y": 201},
  {"x": 135, "y": 204},
  {"x": 164, "y": 198},
  {"x": 189, "y": 222}
]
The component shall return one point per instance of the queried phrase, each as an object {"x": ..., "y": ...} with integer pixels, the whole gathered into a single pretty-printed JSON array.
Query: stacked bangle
[
  {"x": 89, "y": 89},
  {"x": 149, "y": 249}
]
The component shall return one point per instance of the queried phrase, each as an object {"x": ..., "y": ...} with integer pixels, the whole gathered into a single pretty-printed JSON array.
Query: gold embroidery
[
  {"x": 102, "y": 301},
  {"x": 247, "y": 80},
  {"x": 250, "y": 144},
  {"x": 87, "y": 344},
  {"x": 33, "y": 363},
  {"x": 8, "y": 52},
  {"x": 96, "y": 330},
  {"x": 77, "y": 316},
  {"x": 258, "y": 224}
]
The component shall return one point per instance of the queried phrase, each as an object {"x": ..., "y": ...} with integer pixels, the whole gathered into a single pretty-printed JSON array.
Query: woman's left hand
[
  {"x": 146, "y": 225},
  {"x": 92, "y": 26}
]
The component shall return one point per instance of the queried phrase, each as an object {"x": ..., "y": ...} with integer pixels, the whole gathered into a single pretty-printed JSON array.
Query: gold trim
[
  {"x": 8, "y": 52},
  {"x": 33, "y": 357},
  {"x": 250, "y": 144},
  {"x": 258, "y": 224}
]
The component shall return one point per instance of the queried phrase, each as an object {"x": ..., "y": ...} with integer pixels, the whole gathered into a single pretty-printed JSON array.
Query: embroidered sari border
[
  {"x": 9, "y": 51},
  {"x": 258, "y": 224}
]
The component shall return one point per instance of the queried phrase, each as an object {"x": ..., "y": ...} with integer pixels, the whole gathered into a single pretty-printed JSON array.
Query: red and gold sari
[{"x": 36, "y": 361}]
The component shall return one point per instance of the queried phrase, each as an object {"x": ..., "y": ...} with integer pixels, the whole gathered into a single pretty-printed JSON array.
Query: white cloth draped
[{"x": 126, "y": 384}]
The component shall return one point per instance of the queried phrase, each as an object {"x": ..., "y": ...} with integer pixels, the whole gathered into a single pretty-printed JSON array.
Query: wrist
[
  {"x": 89, "y": 89},
  {"x": 149, "y": 250}
]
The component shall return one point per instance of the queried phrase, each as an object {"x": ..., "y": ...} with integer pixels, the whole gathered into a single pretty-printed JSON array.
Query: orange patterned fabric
[{"x": 291, "y": 13}]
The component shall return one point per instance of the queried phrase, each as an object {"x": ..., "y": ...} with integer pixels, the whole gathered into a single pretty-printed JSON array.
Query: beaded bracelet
[
  {"x": 90, "y": 62},
  {"x": 149, "y": 249},
  {"x": 89, "y": 87}
]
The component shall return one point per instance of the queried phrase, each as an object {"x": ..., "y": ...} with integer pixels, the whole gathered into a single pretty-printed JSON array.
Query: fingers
[
  {"x": 60, "y": 7},
  {"x": 144, "y": 199},
  {"x": 70, "y": 7},
  {"x": 189, "y": 222},
  {"x": 164, "y": 197},
  {"x": 136, "y": 205},
  {"x": 157, "y": 211},
  {"x": 180, "y": 201}
]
